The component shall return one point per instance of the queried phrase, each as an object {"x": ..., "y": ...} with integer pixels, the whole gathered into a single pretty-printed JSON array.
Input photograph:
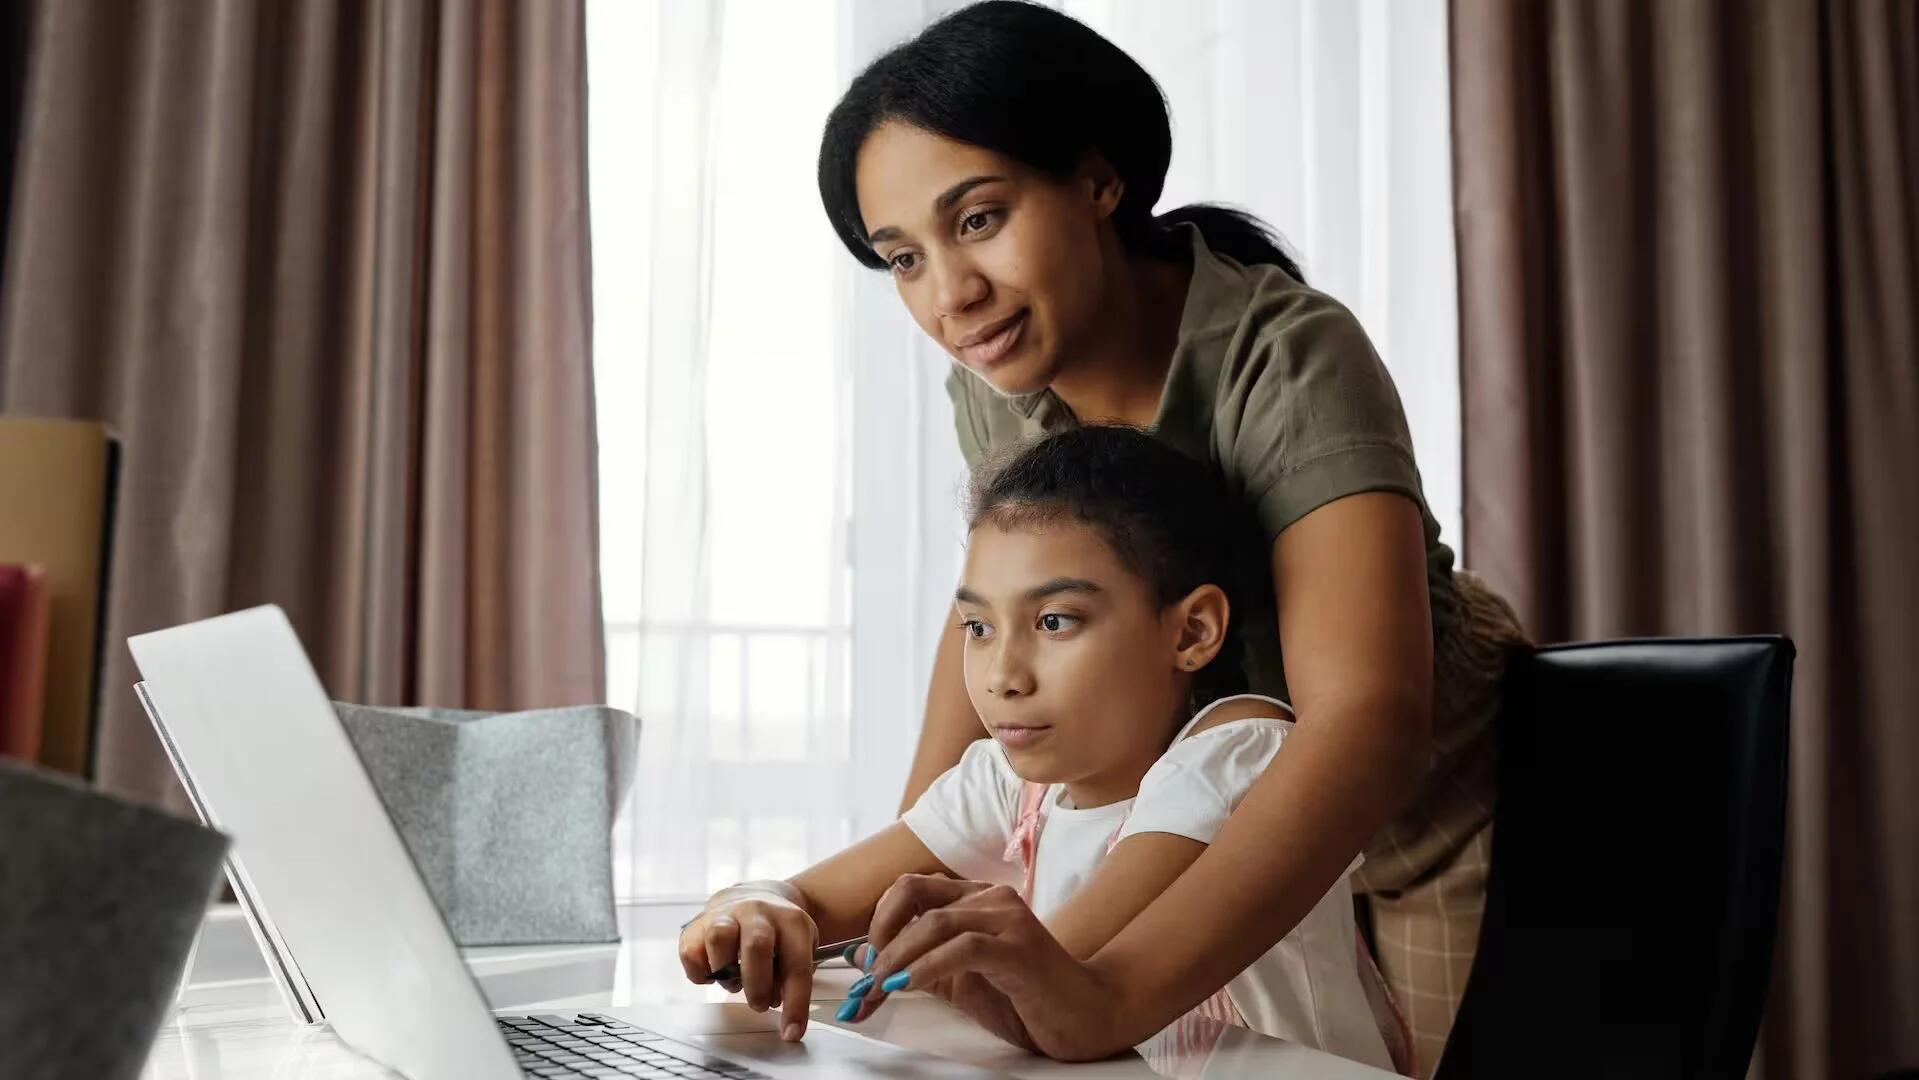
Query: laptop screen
[{"x": 271, "y": 765}]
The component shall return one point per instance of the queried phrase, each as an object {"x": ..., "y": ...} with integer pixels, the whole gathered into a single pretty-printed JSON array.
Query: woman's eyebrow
[
  {"x": 1054, "y": 587},
  {"x": 958, "y": 191},
  {"x": 940, "y": 205}
]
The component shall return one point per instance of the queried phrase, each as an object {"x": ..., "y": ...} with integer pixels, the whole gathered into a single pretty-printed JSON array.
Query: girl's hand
[
  {"x": 770, "y": 937},
  {"x": 982, "y": 949}
]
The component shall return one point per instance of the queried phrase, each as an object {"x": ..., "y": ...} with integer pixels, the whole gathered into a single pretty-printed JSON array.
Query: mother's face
[{"x": 1001, "y": 265}]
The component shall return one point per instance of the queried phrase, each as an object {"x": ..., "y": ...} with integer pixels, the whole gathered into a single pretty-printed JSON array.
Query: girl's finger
[
  {"x": 795, "y": 998},
  {"x": 797, "y": 939},
  {"x": 721, "y": 939},
  {"x": 758, "y": 940},
  {"x": 693, "y": 954}
]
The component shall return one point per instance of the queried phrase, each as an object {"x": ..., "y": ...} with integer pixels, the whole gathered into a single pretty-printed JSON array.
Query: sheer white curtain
[
  {"x": 780, "y": 482},
  {"x": 723, "y": 401},
  {"x": 1331, "y": 120}
]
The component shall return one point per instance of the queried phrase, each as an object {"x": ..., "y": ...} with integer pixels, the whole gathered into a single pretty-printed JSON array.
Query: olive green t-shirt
[{"x": 1278, "y": 387}]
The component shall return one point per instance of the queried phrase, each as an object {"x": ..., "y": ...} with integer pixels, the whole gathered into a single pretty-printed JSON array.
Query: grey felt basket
[
  {"x": 507, "y": 814},
  {"x": 99, "y": 904}
]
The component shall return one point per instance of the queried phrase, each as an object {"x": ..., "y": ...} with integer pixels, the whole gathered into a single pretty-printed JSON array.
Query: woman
[{"x": 1003, "y": 166}]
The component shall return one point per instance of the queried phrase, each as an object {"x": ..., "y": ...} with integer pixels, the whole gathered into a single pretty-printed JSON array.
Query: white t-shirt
[{"x": 1306, "y": 988}]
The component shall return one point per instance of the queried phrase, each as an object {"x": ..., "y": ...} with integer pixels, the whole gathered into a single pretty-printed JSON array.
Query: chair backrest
[{"x": 1636, "y": 856}]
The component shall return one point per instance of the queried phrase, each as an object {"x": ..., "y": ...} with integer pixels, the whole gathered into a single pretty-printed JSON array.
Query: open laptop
[{"x": 256, "y": 739}]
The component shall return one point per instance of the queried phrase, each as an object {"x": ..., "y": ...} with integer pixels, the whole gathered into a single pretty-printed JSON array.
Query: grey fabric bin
[
  {"x": 507, "y": 814},
  {"x": 99, "y": 904}
]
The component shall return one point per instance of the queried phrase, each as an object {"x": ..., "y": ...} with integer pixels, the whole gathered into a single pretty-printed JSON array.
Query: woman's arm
[
  {"x": 1138, "y": 870},
  {"x": 1356, "y": 625},
  {"x": 951, "y": 723}
]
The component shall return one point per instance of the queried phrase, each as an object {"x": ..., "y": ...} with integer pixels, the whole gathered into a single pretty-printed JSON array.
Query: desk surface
[{"x": 238, "y": 1029}]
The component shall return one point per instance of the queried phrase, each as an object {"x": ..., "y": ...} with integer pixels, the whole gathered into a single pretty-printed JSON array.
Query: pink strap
[
  {"x": 1023, "y": 848},
  {"x": 1219, "y": 1007}
]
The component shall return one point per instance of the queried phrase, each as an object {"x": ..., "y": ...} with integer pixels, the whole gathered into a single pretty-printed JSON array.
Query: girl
[
  {"x": 1003, "y": 167},
  {"x": 1096, "y": 606}
]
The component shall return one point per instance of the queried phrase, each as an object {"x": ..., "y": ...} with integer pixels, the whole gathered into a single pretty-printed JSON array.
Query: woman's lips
[
  {"x": 1019, "y": 738},
  {"x": 994, "y": 349}
]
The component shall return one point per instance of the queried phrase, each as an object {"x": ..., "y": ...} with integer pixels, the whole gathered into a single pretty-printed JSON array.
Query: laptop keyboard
[{"x": 591, "y": 1045}]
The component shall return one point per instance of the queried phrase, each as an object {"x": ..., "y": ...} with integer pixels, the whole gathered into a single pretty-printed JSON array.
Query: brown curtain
[
  {"x": 325, "y": 267},
  {"x": 1689, "y": 276}
]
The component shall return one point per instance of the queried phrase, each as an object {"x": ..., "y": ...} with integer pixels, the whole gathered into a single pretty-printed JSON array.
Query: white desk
[{"x": 237, "y": 1029}]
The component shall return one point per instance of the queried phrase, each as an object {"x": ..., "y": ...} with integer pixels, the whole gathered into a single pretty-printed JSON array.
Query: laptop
[{"x": 350, "y": 927}]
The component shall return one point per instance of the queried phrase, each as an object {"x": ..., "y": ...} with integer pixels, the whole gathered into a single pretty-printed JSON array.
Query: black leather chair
[{"x": 1636, "y": 854}]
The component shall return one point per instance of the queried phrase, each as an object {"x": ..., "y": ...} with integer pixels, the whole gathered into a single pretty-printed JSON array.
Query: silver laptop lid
[{"x": 275, "y": 770}]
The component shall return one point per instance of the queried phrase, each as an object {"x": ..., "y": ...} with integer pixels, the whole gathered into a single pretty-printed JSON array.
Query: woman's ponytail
[{"x": 1235, "y": 234}]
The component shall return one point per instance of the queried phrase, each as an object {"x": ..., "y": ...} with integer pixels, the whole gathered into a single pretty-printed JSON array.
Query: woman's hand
[
  {"x": 770, "y": 936},
  {"x": 982, "y": 949}
]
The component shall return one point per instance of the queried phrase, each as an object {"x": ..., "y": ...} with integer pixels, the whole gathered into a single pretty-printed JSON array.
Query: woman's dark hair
[
  {"x": 1042, "y": 88},
  {"x": 1166, "y": 517}
]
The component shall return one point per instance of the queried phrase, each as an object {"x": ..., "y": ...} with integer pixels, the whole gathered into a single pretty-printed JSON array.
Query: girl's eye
[
  {"x": 977, "y": 221},
  {"x": 903, "y": 262},
  {"x": 974, "y": 628},
  {"x": 1053, "y": 623}
]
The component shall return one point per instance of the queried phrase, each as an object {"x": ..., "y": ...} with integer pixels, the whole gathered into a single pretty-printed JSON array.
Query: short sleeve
[
  {"x": 967, "y": 422},
  {"x": 967, "y": 816},
  {"x": 1308, "y": 414},
  {"x": 1198, "y": 783},
  {"x": 1192, "y": 789}
]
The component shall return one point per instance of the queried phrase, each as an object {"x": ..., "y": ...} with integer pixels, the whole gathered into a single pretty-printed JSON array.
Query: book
[{"x": 26, "y": 610}]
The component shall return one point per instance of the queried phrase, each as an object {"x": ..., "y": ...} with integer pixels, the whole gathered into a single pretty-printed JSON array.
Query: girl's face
[
  {"x": 1001, "y": 265},
  {"x": 1071, "y": 662}
]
